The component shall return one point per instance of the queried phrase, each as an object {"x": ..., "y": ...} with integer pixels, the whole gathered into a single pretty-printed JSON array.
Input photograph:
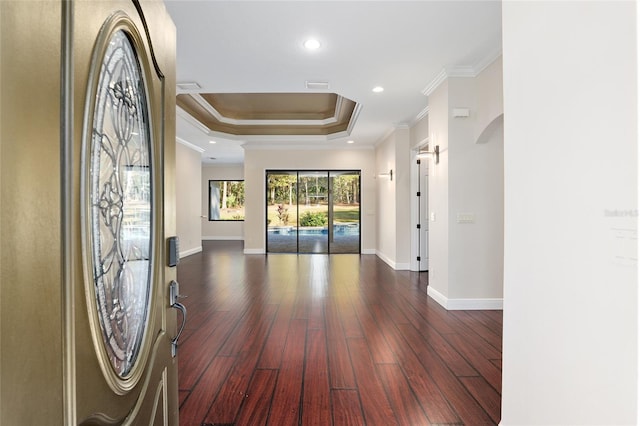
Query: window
[{"x": 226, "y": 200}]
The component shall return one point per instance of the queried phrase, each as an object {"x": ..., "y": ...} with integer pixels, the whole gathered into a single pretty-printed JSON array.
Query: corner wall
[
  {"x": 188, "y": 204},
  {"x": 571, "y": 173},
  {"x": 394, "y": 204},
  {"x": 466, "y": 191}
]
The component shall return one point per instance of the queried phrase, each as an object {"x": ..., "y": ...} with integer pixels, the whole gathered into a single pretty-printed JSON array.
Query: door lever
[{"x": 174, "y": 296}]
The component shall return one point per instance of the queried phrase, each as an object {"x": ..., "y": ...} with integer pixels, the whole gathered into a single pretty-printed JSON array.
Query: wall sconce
[
  {"x": 435, "y": 154},
  {"x": 390, "y": 174}
]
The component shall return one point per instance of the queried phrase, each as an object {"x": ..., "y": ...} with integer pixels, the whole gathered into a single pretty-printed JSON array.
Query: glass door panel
[
  {"x": 313, "y": 212},
  {"x": 282, "y": 217},
  {"x": 344, "y": 211}
]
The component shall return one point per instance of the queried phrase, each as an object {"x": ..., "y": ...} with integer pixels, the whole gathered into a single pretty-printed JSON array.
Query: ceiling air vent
[
  {"x": 317, "y": 85},
  {"x": 188, "y": 85}
]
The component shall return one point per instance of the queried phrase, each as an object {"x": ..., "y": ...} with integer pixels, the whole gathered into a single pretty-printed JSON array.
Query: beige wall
[
  {"x": 439, "y": 191},
  {"x": 394, "y": 204},
  {"x": 386, "y": 206},
  {"x": 188, "y": 170},
  {"x": 219, "y": 230},
  {"x": 257, "y": 161},
  {"x": 466, "y": 193}
]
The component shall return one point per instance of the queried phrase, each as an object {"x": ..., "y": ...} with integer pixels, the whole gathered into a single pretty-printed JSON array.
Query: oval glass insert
[{"x": 120, "y": 193}]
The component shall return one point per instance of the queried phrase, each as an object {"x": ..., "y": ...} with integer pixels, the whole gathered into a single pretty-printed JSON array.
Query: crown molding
[
  {"x": 265, "y": 122},
  {"x": 437, "y": 81},
  {"x": 461, "y": 71},
  {"x": 488, "y": 60},
  {"x": 189, "y": 145},
  {"x": 274, "y": 147},
  {"x": 422, "y": 114},
  {"x": 354, "y": 118},
  {"x": 192, "y": 121}
]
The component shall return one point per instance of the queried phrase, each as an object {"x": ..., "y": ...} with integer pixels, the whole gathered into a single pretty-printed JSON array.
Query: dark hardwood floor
[{"x": 320, "y": 340}]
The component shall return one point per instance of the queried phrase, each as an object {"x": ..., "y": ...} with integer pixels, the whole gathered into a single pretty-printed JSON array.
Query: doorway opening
[{"x": 313, "y": 211}]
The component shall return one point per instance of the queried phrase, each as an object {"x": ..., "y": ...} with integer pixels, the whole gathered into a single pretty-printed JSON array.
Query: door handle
[{"x": 174, "y": 296}]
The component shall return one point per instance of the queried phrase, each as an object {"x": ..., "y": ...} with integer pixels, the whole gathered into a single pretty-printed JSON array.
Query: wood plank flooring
[{"x": 328, "y": 340}]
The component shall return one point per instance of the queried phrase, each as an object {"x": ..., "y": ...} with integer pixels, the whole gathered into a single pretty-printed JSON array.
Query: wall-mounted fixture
[
  {"x": 389, "y": 175},
  {"x": 435, "y": 154},
  {"x": 460, "y": 112}
]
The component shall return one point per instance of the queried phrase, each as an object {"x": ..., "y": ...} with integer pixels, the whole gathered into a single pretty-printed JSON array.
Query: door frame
[{"x": 416, "y": 205}]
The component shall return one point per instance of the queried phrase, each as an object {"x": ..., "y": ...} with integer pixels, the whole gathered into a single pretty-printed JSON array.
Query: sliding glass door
[{"x": 312, "y": 211}]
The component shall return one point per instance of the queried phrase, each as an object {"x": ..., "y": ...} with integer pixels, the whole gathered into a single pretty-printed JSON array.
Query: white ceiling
[{"x": 256, "y": 46}]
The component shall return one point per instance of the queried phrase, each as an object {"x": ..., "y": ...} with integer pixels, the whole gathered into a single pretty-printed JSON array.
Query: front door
[{"x": 88, "y": 154}]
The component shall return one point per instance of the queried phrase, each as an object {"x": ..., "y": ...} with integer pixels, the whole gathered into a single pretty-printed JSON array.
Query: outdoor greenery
[
  {"x": 283, "y": 189},
  {"x": 283, "y": 214},
  {"x": 226, "y": 200},
  {"x": 313, "y": 219},
  {"x": 305, "y": 202}
]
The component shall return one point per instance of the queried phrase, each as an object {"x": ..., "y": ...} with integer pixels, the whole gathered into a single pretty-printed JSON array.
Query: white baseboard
[
  {"x": 465, "y": 304},
  {"x": 396, "y": 266},
  {"x": 253, "y": 251},
  {"x": 368, "y": 251},
  {"x": 190, "y": 252},
  {"x": 223, "y": 238},
  {"x": 437, "y": 296}
]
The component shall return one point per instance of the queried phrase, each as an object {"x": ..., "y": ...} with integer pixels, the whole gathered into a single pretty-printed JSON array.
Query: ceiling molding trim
[
  {"x": 433, "y": 85},
  {"x": 189, "y": 145},
  {"x": 488, "y": 60},
  {"x": 191, "y": 120},
  {"x": 354, "y": 117},
  {"x": 235, "y": 122},
  {"x": 464, "y": 71},
  {"x": 263, "y": 147},
  {"x": 422, "y": 114}
]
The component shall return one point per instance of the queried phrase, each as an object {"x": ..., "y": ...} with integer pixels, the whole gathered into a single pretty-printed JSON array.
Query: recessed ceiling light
[
  {"x": 212, "y": 141},
  {"x": 349, "y": 141},
  {"x": 378, "y": 89},
  {"x": 311, "y": 44}
]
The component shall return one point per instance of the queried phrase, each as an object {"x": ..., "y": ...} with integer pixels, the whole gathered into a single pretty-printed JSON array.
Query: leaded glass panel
[{"x": 120, "y": 193}]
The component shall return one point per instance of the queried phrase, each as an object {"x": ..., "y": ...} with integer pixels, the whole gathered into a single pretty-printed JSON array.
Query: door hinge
[
  {"x": 418, "y": 258},
  {"x": 418, "y": 226},
  {"x": 418, "y": 194},
  {"x": 418, "y": 161}
]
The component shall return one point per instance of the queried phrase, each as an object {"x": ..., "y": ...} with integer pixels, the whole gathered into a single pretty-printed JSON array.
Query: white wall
[
  {"x": 220, "y": 230},
  {"x": 188, "y": 200},
  {"x": 257, "y": 161},
  {"x": 571, "y": 165}
]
